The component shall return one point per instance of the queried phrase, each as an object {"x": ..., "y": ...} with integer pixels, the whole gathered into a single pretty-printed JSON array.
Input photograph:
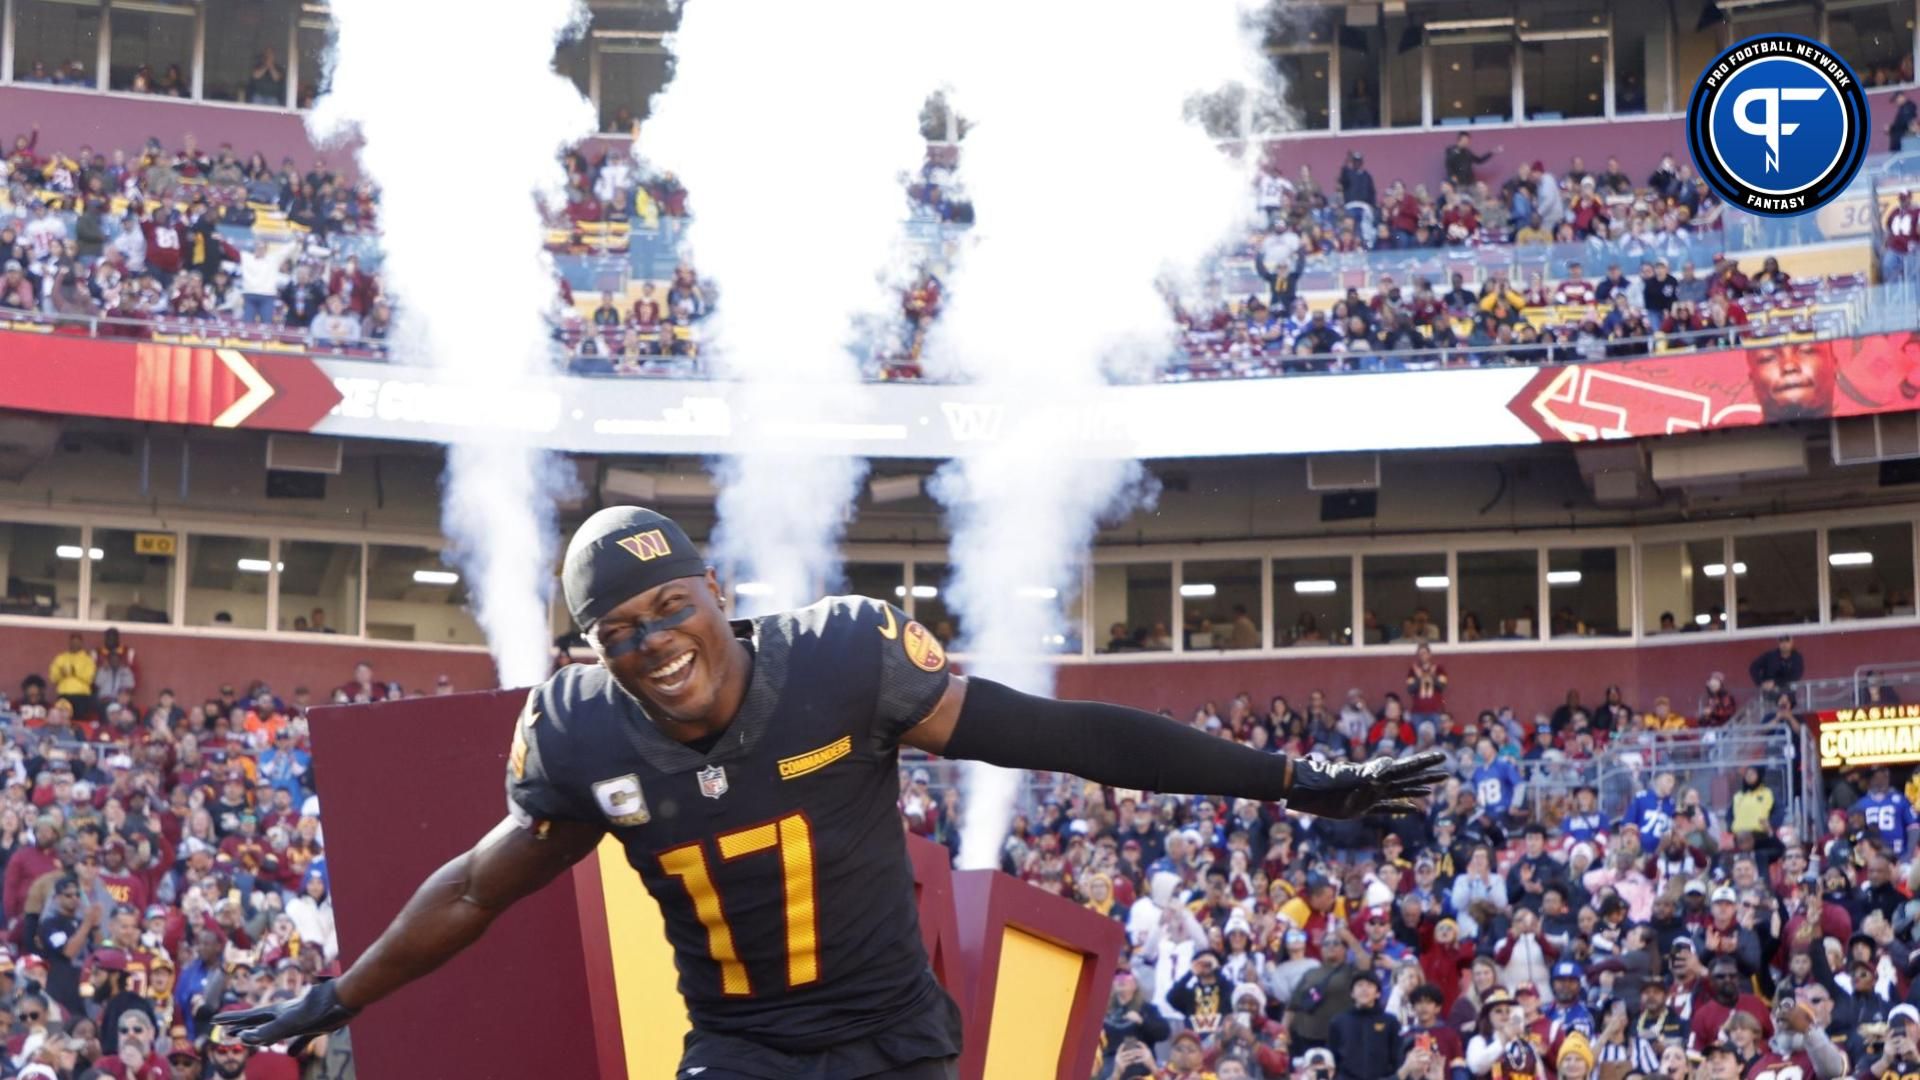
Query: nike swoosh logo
[{"x": 892, "y": 629}]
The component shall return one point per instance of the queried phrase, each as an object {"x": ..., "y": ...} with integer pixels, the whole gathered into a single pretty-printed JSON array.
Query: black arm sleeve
[{"x": 1109, "y": 744}]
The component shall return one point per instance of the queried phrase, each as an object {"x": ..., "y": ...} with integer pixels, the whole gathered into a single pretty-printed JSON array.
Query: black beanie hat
[{"x": 619, "y": 553}]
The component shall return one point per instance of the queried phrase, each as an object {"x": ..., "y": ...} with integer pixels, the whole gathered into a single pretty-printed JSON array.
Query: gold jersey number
[{"x": 792, "y": 838}]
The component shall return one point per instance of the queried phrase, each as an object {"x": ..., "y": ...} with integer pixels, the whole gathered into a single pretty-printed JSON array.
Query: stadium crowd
[
  {"x": 199, "y": 242},
  {"x": 161, "y": 859},
  {"x": 1642, "y": 270},
  {"x": 1517, "y": 929},
  {"x": 177, "y": 242}
]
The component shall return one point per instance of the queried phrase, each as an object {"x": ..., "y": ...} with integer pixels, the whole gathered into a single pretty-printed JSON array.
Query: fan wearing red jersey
[
  {"x": 1902, "y": 246},
  {"x": 1799, "y": 1048}
]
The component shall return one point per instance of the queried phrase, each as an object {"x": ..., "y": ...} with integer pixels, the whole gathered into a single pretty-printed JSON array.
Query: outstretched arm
[
  {"x": 984, "y": 721},
  {"x": 449, "y": 912}
]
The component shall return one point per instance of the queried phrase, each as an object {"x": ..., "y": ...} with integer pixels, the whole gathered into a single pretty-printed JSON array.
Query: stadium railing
[
  {"x": 1838, "y": 315},
  {"x": 1820, "y": 695},
  {"x": 1711, "y": 760}
]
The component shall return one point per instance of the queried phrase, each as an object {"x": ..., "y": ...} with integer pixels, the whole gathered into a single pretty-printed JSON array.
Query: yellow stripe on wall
[
  {"x": 653, "y": 1018},
  {"x": 1032, "y": 1002}
]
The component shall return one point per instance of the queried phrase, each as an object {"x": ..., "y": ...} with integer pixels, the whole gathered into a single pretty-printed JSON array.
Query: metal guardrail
[
  {"x": 1837, "y": 322},
  {"x": 1903, "y": 674},
  {"x": 1817, "y": 695},
  {"x": 1710, "y": 760}
]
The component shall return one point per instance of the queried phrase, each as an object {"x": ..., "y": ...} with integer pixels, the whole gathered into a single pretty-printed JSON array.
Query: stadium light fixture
[
  {"x": 892, "y": 489},
  {"x": 1714, "y": 569},
  {"x": 258, "y": 566},
  {"x": 1492, "y": 23},
  {"x": 753, "y": 588},
  {"x": 152, "y": 7},
  {"x": 1430, "y": 582},
  {"x": 1198, "y": 589},
  {"x": 435, "y": 577},
  {"x": 72, "y": 551},
  {"x": 1850, "y": 558},
  {"x": 1702, "y": 619},
  {"x": 1312, "y": 586},
  {"x": 920, "y": 592},
  {"x": 1563, "y": 577}
]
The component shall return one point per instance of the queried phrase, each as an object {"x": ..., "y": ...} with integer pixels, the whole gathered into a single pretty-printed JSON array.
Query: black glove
[
  {"x": 317, "y": 1012},
  {"x": 1380, "y": 786}
]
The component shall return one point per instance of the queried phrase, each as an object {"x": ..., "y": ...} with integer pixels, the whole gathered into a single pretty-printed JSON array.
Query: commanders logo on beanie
[{"x": 619, "y": 553}]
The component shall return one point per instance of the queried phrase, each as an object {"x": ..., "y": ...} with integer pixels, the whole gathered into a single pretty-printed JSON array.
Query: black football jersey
[{"x": 778, "y": 857}]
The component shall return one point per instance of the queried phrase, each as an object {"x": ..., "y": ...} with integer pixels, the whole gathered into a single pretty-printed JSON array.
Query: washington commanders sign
[{"x": 1874, "y": 735}]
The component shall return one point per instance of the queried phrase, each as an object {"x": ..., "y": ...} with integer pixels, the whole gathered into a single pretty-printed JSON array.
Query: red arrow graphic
[
  {"x": 176, "y": 384},
  {"x": 1604, "y": 401}
]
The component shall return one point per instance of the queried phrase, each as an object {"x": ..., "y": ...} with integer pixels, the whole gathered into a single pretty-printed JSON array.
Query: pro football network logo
[{"x": 1778, "y": 125}]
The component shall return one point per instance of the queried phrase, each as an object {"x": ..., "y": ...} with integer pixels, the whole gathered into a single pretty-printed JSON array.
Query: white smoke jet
[
  {"x": 791, "y": 129},
  {"x": 463, "y": 255},
  {"x": 1091, "y": 188}
]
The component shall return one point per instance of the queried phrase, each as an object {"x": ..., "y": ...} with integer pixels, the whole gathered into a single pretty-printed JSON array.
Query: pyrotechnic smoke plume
[
  {"x": 1092, "y": 187},
  {"x": 463, "y": 256},
  {"x": 791, "y": 128}
]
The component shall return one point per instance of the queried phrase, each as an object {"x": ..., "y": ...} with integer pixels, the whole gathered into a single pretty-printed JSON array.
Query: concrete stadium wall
[
  {"x": 70, "y": 118},
  {"x": 195, "y": 665},
  {"x": 1528, "y": 680}
]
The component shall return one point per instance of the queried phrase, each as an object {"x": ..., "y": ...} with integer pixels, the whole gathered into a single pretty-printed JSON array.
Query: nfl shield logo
[{"x": 713, "y": 781}]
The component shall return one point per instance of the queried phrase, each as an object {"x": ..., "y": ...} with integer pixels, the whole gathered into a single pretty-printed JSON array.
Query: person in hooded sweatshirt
[
  {"x": 1145, "y": 915},
  {"x": 1365, "y": 1039}
]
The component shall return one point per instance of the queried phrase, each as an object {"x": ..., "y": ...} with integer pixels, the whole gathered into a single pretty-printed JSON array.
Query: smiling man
[{"x": 750, "y": 769}]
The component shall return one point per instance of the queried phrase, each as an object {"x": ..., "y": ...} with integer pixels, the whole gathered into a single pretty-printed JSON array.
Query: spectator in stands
[
  {"x": 1661, "y": 290},
  {"x": 231, "y": 1059},
  {"x": 1365, "y": 1039},
  {"x": 1905, "y": 113},
  {"x": 71, "y": 674},
  {"x": 64, "y": 939},
  {"x": 1875, "y": 691},
  {"x": 1426, "y": 687},
  {"x": 1548, "y": 201},
  {"x": 302, "y": 298},
  {"x": 1588, "y": 213},
  {"x": 1357, "y": 193},
  {"x": 353, "y": 285},
  {"x": 267, "y": 82},
  {"x": 336, "y": 326},
  {"x": 1460, "y": 160},
  {"x": 1716, "y": 702},
  {"x": 1727, "y": 278},
  {"x": 261, "y": 279},
  {"x": 362, "y": 688},
  {"x": 114, "y": 676},
  {"x": 17, "y": 291},
  {"x": 1902, "y": 242}
]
